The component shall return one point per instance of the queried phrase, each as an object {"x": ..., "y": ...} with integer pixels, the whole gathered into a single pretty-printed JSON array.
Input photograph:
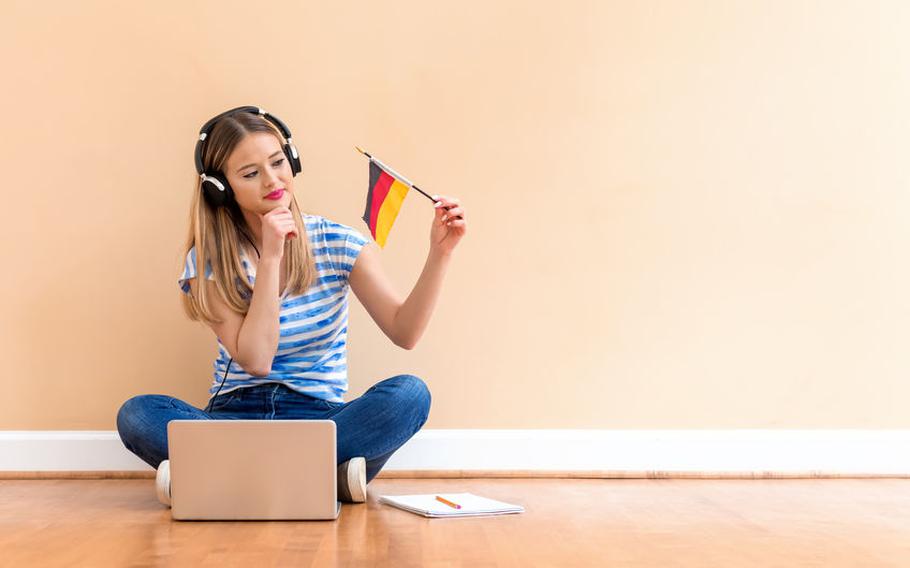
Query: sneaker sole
[
  {"x": 163, "y": 483},
  {"x": 356, "y": 482}
]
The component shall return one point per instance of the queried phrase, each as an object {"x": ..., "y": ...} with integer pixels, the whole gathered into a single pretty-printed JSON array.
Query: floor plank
[{"x": 569, "y": 522}]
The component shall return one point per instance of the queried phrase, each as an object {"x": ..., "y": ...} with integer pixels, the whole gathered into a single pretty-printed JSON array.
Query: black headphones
[{"x": 215, "y": 187}]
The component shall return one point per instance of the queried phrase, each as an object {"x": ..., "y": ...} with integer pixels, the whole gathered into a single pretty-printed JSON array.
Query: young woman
[{"x": 275, "y": 293}]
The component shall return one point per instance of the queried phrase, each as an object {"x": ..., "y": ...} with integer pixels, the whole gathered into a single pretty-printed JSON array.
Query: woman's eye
[{"x": 275, "y": 164}]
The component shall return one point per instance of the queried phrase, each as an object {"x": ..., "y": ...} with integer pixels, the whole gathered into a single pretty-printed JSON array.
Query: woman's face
[{"x": 256, "y": 168}]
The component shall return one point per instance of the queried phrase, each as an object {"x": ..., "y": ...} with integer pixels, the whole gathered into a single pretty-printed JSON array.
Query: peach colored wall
[{"x": 682, "y": 214}]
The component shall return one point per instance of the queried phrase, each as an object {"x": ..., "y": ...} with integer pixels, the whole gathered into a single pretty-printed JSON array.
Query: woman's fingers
[
  {"x": 447, "y": 208},
  {"x": 449, "y": 212},
  {"x": 452, "y": 214},
  {"x": 443, "y": 201}
]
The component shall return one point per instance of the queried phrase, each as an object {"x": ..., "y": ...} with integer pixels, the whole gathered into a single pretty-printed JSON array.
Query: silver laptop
[{"x": 252, "y": 469}]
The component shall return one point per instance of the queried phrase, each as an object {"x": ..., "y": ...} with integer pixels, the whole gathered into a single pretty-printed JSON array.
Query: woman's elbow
[
  {"x": 259, "y": 369},
  {"x": 406, "y": 342}
]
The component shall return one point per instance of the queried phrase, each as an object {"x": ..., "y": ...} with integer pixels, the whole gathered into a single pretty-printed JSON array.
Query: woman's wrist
[
  {"x": 440, "y": 254},
  {"x": 269, "y": 262}
]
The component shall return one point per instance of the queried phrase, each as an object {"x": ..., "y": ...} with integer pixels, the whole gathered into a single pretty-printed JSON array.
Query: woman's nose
[{"x": 271, "y": 178}]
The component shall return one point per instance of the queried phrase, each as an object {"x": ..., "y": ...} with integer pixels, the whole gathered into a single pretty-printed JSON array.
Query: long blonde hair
[{"x": 217, "y": 233}]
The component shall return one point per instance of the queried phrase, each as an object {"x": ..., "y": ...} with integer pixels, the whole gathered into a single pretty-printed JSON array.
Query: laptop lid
[{"x": 252, "y": 469}]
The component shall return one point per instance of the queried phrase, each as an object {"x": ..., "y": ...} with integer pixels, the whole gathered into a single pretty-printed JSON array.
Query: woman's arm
[
  {"x": 404, "y": 322},
  {"x": 251, "y": 339},
  {"x": 259, "y": 334}
]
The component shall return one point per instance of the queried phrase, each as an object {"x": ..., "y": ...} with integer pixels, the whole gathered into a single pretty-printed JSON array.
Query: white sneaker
[
  {"x": 352, "y": 481},
  {"x": 163, "y": 483}
]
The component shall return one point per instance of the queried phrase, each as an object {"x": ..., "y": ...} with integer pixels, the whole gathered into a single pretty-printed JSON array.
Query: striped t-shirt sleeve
[
  {"x": 189, "y": 271},
  {"x": 343, "y": 244}
]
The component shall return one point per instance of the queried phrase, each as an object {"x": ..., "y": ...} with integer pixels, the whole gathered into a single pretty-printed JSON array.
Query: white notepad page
[{"x": 471, "y": 505}]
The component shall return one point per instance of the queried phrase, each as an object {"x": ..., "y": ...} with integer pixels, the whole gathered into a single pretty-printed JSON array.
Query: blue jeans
[{"x": 373, "y": 426}]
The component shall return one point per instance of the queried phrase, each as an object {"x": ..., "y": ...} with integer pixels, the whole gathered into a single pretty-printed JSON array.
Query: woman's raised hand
[
  {"x": 449, "y": 224},
  {"x": 277, "y": 226}
]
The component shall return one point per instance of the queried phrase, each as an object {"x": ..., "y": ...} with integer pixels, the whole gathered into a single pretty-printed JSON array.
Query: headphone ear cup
[
  {"x": 295, "y": 162},
  {"x": 214, "y": 194}
]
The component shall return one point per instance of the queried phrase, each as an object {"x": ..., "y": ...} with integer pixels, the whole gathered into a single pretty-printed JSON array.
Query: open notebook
[{"x": 471, "y": 505}]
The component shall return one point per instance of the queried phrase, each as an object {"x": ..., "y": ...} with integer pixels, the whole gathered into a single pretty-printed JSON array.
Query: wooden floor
[{"x": 569, "y": 522}]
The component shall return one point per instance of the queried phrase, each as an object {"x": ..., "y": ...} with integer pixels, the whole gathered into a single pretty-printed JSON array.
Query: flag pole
[{"x": 395, "y": 174}]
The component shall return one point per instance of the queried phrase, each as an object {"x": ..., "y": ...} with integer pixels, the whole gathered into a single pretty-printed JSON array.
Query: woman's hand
[
  {"x": 277, "y": 225},
  {"x": 449, "y": 225}
]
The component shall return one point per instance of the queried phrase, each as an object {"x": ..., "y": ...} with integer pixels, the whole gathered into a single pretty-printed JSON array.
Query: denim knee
[
  {"x": 125, "y": 423},
  {"x": 413, "y": 393},
  {"x": 131, "y": 415}
]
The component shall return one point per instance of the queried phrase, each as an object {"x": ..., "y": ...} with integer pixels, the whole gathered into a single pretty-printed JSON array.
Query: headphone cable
[{"x": 211, "y": 400}]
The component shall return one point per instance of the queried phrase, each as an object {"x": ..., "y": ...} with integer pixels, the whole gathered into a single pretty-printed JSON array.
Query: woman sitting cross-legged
[{"x": 275, "y": 293}]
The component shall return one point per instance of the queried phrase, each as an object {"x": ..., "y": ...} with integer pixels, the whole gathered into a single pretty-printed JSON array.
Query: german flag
[{"x": 383, "y": 202}]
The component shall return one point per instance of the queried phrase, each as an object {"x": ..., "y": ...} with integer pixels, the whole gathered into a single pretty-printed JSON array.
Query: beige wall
[{"x": 682, "y": 214}]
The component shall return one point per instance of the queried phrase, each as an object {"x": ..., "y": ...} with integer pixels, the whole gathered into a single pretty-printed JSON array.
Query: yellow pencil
[{"x": 447, "y": 502}]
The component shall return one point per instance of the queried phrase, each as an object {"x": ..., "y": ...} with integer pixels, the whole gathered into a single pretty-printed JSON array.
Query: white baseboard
[{"x": 839, "y": 452}]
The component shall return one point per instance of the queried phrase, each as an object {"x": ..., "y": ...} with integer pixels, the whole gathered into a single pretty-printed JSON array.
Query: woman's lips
[{"x": 275, "y": 194}]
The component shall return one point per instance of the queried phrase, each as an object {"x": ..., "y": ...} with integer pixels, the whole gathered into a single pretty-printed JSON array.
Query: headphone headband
[{"x": 207, "y": 128}]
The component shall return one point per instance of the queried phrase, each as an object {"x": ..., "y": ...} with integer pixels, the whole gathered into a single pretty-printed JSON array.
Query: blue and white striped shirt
[{"x": 312, "y": 347}]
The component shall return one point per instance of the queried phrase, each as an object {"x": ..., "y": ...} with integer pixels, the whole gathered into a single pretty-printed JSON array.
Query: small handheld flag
[{"x": 386, "y": 194}]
